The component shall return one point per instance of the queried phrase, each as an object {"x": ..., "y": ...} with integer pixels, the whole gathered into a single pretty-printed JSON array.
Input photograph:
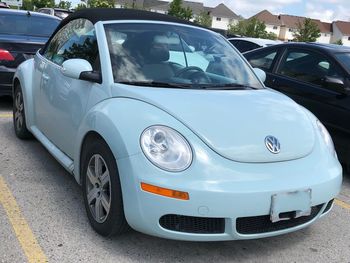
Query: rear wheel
[
  {"x": 19, "y": 117},
  {"x": 102, "y": 189}
]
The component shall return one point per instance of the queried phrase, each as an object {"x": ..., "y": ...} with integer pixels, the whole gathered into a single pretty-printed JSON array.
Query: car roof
[
  {"x": 23, "y": 12},
  {"x": 258, "y": 41},
  {"x": 329, "y": 48},
  {"x": 106, "y": 14}
]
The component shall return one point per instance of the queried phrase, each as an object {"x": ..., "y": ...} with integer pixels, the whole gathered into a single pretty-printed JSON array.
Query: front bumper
[{"x": 224, "y": 189}]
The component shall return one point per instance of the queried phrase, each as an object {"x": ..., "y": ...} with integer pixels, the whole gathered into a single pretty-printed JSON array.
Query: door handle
[{"x": 46, "y": 77}]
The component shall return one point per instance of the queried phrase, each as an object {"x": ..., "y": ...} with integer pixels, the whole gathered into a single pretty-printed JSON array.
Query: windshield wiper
[
  {"x": 224, "y": 86},
  {"x": 157, "y": 84},
  {"x": 231, "y": 86}
]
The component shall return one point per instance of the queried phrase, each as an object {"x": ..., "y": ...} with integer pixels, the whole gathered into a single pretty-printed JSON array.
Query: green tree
[
  {"x": 307, "y": 31},
  {"x": 251, "y": 28},
  {"x": 176, "y": 9},
  {"x": 270, "y": 35},
  {"x": 80, "y": 6},
  {"x": 28, "y": 5},
  {"x": 101, "y": 3},
  {"x": 204, "y": 19},
  {"x": 43, "y": 3},
  {"x": 64, "y": 4},
  {"x": 339, "y": 42}
]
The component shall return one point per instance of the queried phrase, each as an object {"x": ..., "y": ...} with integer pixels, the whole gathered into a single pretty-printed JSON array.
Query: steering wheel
[{"x": 195, "y": 74}]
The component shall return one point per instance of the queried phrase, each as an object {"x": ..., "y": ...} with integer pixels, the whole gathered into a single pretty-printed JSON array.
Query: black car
[
  {"x": 22, "y": 33},
  {"x": 316, "y": 76}
]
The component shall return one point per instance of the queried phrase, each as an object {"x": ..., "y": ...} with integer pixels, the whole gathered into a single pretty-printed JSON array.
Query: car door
[
  {"x": 301, "y": 74},
  {"x": 64, "y": 99}
]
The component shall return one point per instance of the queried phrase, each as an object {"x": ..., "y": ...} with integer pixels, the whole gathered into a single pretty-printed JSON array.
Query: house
[
  {"x": 221, "y": 15},
  {"x": 290, "y": 26},
  {"x": 273, "y": 24},
  {"x": 341, "y": 31},
  {"x": 284, "y": 26}
]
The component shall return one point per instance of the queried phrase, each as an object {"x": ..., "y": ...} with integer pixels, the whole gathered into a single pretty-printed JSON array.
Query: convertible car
[{"x": 170, "y": 131}]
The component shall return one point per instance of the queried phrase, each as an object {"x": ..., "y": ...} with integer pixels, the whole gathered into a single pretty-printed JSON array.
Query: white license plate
[{"x": 297, "y": 203}]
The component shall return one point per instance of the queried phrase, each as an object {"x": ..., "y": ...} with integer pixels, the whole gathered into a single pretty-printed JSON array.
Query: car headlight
[
  {"x": 166, "y": 148},
  {"x": 326, "y": 137}
]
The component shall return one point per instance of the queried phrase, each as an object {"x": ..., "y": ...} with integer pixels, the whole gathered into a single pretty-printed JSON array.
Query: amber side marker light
[{"x": 165, "y": 192}]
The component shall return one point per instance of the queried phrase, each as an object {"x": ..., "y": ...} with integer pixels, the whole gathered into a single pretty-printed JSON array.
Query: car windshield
[
  {"x": 27, "y": 25},
  {"x": 344, "y": 58},
  {"x": 175, "y": 56}
]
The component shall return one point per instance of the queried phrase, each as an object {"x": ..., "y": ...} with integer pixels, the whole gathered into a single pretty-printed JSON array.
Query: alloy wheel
[{"x": 98, "y": 188}]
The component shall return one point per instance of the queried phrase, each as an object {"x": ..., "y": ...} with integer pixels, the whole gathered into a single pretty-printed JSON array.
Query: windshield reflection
[{"x": 181, "y": 55}]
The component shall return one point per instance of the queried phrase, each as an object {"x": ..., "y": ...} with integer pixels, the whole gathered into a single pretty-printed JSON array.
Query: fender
[
  {"x": 24, "y": 75},
  {"x": 120, "y": 122}
]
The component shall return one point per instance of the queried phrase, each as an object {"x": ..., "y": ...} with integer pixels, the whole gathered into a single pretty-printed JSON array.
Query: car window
[
  {"x": 344, "y": 59},
  {"x": 174, "y": 54},
  {"x": 263, "y": 60},
  {"x": 11, "y": 24},
  {"x": 45, "y": 11},
  {"x": 308, "y": 66},
  {"x": 243, "y": 45},
  {"x": 75, "y": 40}
]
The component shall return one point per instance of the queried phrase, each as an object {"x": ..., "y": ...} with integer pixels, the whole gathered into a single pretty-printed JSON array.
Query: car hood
[{"x": 235, "y": 123}]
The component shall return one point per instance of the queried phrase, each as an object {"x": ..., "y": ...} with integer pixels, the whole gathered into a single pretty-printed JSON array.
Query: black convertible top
[{"x": 105, "y": 14}]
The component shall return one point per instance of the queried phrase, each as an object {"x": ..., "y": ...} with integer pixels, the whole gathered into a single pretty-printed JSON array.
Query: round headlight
[
  {"x": 326, "y": 137},
  {"x": 166, "y": 148}
]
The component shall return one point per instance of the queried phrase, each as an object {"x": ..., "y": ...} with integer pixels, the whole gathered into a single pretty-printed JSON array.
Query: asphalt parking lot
[{"x": 42, "y": 218}]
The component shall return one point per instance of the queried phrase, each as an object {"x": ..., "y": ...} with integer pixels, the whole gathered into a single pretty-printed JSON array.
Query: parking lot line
[
  {"x": 342, "y": 204},
  {"x": 6, "y": 115},
  {"x": 24, "y": 234}
]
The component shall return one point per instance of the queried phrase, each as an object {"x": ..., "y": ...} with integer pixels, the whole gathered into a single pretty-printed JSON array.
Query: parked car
[
  {"x": 3, "y": 5},
  {"x": 316, "y": 76},
  {"x": 169, "y": 149},
  {"x": 22, "y": 33},
  {"x": 59, "y": 12},
  {"x": 244, "y": 44}
]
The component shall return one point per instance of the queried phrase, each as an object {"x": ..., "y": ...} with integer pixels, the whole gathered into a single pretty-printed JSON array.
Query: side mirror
[
  {"x": 336, "y": 84},
  {"x": 77, "y": 68},
  {"x": 260, "y": 73}
]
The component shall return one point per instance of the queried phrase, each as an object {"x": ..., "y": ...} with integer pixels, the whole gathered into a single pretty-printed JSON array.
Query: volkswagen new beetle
[{"x": 171, "y": 132}]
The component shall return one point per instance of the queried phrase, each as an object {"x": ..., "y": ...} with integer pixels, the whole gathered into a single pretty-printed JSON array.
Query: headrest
[{"x": 149, "y": 48}]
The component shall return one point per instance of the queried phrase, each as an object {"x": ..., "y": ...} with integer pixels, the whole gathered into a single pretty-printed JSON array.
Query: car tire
[
  {"x": 19, "y": 117},
  {"x": 102, "y": 189}
]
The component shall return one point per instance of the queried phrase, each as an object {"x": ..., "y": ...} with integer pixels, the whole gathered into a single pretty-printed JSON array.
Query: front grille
[
  {"x": 328, "y": 207},
  {"x": 191, "y": 224},
  {"x": 263, "y": 224}
]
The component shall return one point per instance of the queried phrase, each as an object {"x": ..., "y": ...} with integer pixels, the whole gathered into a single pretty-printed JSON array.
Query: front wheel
[
  {"x": 102, "y": 189},
  {"x": 19, "y": 117}
]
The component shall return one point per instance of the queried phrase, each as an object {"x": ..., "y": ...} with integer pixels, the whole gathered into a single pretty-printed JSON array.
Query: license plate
[{"x": 289, "y": 205}]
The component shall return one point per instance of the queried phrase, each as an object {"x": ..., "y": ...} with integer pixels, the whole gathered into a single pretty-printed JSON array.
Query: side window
[
  {"x": 263, "y": 60},
  {"x": 246, "y": 46},
  {"x": 75, "y": 40},
  {"x": 308, "y": 66}
]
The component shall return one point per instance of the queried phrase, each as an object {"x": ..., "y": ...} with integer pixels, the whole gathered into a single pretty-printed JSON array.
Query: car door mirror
[
  {"x": 77, "y": 68},
  {"x": 336, "y": 84},
  {"x": 260, "y": 73}
]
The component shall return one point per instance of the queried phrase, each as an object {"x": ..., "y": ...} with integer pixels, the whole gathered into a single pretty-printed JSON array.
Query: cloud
[{"x": 328, "y": 10}]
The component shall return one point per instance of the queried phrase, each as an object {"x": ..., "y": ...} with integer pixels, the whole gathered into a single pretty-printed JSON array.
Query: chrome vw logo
[{"x": 272, "y": 144}]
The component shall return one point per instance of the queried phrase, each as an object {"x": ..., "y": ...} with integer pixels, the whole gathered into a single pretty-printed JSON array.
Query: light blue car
[{"x": 188, "y": 147}]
